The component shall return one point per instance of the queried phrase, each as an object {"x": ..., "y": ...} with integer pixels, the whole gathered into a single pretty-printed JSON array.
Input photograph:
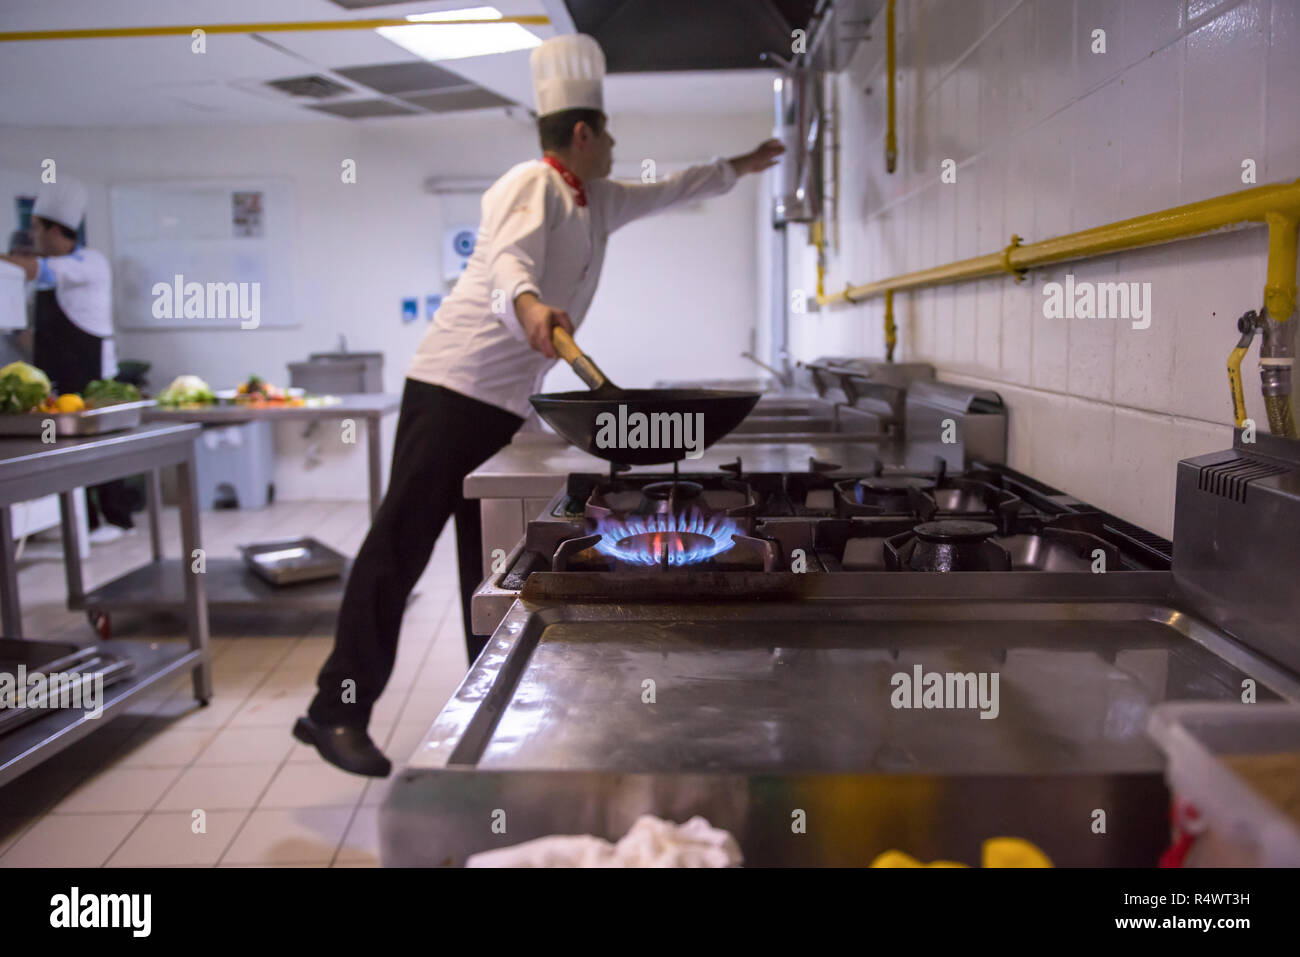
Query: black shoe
[{"x": 344, "y": 747}]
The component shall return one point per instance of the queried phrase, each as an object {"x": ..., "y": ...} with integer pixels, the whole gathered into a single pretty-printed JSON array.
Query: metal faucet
[
  {"x": 343, "y": 343},
  {"x": 785, "y": 378}
]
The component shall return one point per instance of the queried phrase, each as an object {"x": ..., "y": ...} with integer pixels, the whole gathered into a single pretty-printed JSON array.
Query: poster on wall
[
  {"x": 203, "y": 254},
  {"x": 457, "y": 246},
  {"x": 247, "y": 213}
]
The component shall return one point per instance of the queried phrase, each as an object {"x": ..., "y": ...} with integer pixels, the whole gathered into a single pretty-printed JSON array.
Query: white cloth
[
  {"x": 83, "y": 287},
  {"x": 63, "y": 202},
  {"x": 568, "y": 74},
  {"x": 534, "y": 237},
  {"x": 651, "y": 842}
]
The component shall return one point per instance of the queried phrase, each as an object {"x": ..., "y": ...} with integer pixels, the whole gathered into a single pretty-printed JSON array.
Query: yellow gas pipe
[
  {"x": 1276, "y": 205},
  {"x": 817, "y": 234},
  {"x": 1277, "y": 350},
  {"x": 891, "y": 330}
]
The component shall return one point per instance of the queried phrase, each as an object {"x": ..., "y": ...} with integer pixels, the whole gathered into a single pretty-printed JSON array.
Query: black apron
[
  {"x": 72, "y": 358},
  {"x": 65, "y": 352}
]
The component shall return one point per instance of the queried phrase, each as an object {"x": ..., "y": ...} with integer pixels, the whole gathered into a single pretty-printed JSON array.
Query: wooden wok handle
[
  {"x": 587, "y": 370},
  {"x": 564, "y": 344}
]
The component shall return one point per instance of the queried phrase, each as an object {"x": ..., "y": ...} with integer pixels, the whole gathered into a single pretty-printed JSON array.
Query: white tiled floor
[{"x": 173, "y": 784}]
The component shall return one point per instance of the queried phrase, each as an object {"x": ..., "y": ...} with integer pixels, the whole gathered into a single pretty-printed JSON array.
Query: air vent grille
[
  {"x": 315, "y": 87},
  {"x": 1232, "y": 478},
  {"x": 1154, "y": 549}
]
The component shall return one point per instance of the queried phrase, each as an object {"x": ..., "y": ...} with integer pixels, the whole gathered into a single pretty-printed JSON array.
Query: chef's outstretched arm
[{"x": 631, "y": 200}]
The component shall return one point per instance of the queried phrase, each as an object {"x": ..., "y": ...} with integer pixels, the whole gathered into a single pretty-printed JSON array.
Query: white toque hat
[
  {"x": 568, "y": 72},
  {"x": 63, "y": 202}
]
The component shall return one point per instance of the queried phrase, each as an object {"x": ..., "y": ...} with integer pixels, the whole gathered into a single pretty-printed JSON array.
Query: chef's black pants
[{"x": 442, "y": 436}]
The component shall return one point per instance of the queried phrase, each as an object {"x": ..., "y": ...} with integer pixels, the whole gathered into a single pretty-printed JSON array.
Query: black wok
[{"x": 637, "y": 426}]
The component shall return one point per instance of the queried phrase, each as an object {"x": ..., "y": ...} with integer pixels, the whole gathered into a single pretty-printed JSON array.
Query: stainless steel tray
[
  {"x": 109, "y": 418},
  {"x": 50, "y": 657},
  {"x": 292, "y": 560}
]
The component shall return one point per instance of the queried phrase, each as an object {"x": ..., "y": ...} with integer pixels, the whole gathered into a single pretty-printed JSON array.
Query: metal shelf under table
[
  {"x": 30, "y": 468},
  {"x": 41, "y": 739},
  {"x": 160, "y": 586}
]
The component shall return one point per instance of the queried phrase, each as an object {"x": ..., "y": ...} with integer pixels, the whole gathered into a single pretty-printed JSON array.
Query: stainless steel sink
[{"x": 343, "y": 356}]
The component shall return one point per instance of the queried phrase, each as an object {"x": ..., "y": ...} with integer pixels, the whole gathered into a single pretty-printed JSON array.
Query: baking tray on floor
[
  {"x": 293, "y": 560},
  {"x": 109, "y": 418},
  {"x": 54, "y": 657}
]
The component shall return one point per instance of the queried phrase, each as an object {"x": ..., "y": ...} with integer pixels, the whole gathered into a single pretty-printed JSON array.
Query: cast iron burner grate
[{"x": 949, "y": 545}]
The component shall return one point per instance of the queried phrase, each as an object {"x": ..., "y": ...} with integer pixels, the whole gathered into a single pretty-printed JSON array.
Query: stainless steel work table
[
  {"x": 369, "y": 406},
  {"x": 29, "y": 469}
]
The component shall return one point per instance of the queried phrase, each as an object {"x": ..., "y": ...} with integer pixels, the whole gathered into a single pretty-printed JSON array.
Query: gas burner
[
  {"x": 890, "y": 493},
  {"x": 948, "y": 545},
  {"x": 669, "y": 497},
  {"x": 661, "y": 495},
  {"x": 667, "y": 538}
]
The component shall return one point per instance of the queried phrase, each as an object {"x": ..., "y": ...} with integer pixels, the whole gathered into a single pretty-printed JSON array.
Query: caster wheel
[
  {"x": 100, "y": 624},
  {"x": 204, "y": 702}
]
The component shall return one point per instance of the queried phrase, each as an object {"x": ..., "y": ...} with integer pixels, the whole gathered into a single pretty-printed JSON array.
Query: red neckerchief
[{"x": 575, "y": 184}]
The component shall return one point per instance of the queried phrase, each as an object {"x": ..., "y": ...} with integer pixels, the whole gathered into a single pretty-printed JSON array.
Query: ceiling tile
[
  {"x": 363, "y": 109},
  {"x": 401, "y": 77},
  {"x": 467, "y": 98}
]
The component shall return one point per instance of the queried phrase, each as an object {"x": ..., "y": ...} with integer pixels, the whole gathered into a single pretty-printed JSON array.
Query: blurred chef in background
[{"x": 73, "y": 319}]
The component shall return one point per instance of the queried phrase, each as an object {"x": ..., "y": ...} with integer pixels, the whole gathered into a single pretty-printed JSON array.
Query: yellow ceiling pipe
[
  {"x": 1255, "y": 205},
  {"x": 99, "y": 33}
]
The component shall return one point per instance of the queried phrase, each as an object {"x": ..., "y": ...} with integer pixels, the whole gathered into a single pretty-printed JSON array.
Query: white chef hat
[
  {"x": 63, "y": 202},
  {"x": 567, "y": 74}
]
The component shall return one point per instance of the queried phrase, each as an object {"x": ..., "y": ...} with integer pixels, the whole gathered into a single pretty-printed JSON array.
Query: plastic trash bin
[
  {"x": 235, "y": 463},
  {"x": 1238, "y": 767}
]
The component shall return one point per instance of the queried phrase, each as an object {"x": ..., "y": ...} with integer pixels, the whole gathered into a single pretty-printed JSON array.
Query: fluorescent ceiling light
[{"x": 457, "y": 42}]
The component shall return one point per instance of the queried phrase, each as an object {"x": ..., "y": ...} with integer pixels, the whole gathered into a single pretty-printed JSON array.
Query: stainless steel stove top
[
  {"x": 820, "y": 521},
  {"x": 916, "y": 659}
]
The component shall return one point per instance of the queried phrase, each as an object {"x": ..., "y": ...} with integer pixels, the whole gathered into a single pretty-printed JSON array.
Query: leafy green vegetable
[
  {"x": 28, "y": 373},
  {"x": 20, "y": 390},
  {"x": 186, "y": 389},
  {"x": 110, "y": 392}
]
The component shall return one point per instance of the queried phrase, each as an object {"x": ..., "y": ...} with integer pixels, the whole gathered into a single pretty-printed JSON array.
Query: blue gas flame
[{"x": 655, "y": 533}]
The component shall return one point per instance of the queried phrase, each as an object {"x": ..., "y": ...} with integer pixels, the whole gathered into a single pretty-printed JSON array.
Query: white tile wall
[{"x": 1050, "y": 137}]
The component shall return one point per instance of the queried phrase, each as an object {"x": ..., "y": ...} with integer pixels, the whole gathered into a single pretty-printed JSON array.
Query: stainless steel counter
[
  {"x": 763, "y": 706},
  {"x": 30, "y": 468},
  {"x": 371, "y": 407}
]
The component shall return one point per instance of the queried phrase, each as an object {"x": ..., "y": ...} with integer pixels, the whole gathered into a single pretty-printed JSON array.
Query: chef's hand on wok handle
[
  {"x": 538, "y": 319},
  {"x": 762, "y": 157}
]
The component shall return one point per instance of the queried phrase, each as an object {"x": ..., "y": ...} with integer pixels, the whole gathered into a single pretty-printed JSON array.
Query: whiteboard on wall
[{"x": 212, "y": 233}]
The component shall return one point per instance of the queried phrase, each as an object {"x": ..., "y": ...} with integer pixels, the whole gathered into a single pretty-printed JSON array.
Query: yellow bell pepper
[
  {"x": 1013, "y": 852},
  {"x": 997, "y": 852}
]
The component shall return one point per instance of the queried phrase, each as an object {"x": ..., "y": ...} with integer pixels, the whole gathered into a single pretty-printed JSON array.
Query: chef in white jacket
[
  {"x": 536, "y": 264},
  {"x": 73, "y": 336}
]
